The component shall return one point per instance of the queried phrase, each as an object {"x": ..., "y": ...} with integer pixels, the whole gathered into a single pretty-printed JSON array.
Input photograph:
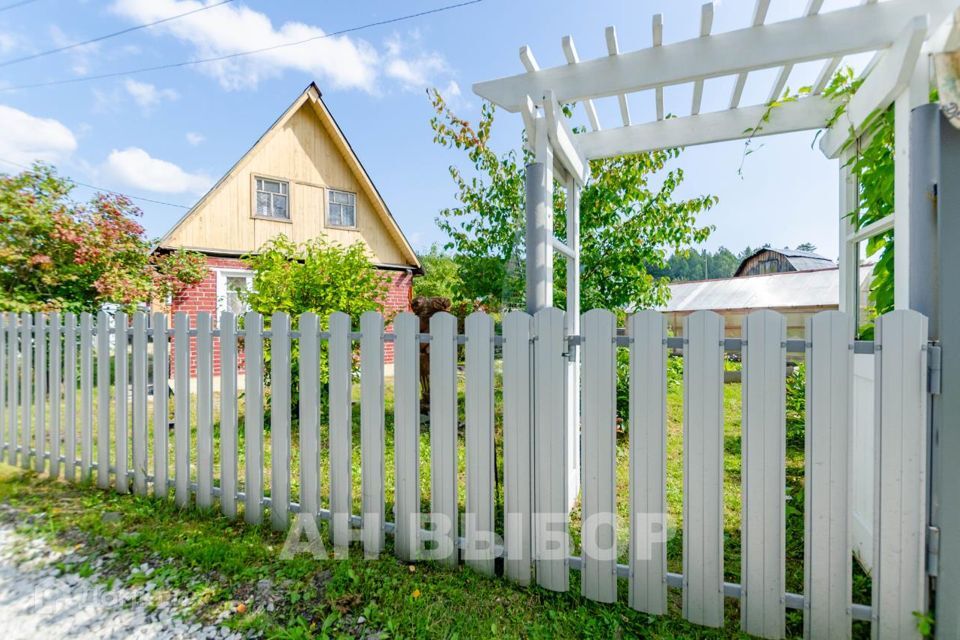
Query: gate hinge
[
  {"x": 934, "y": 366},
  {"x": 933, "y": 551}
]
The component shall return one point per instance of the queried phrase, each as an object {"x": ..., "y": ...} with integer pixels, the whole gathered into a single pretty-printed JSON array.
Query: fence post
[
  {"x": 479, "y": 525},
  {"x": 12, "y": 398},
  {"x": 121, "y": 377},
  {"x": 204, "y": 412},
  {"x": 140, "y": 403},
  {"x": 40, "y": 385},
  {"x": 371, "y": 431},
  {"x": 443, "y": 431},
  {"x": 703, "y": 469},
  {"x": 253, "y": 417},
  {"x": 406, "y": 435},
  {"x": 340, "y": 355},
  {"x": 86, "y": 395},
  {"x": 517, "y": 446},
  {"x": 103, "y": 400},
  {"x": 309, "y": 408},
  {"x": 181, "y": 412},
  {"x": 900, "y": 504},
  {"x": 161, "y": 401},
  {"x": 648, "y": 462},
  {"x": 70, "y": 397},
  {"x": 228, "y": 414},
  {"x": 56, "y": 376},
  {"x": 26, "y": 387}
]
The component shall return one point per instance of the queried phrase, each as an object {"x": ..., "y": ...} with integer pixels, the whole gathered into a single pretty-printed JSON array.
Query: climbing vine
[{"x": 872, "y": 167}]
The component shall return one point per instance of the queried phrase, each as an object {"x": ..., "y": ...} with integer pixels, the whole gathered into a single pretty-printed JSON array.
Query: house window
[
  {"x": 272, "y": 199},
  {"x": 231, "y": 285},
  {"x": 342, "y": 209}
]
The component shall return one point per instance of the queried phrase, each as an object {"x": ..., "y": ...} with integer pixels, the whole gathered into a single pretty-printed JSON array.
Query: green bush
[
  {"x": 674, "y": 380},
  {"x": 319, "y": 277},
  {"x": 796, "y": 405}
]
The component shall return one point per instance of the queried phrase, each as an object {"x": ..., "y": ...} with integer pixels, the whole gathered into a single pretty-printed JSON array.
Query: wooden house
[{"x": 301, "y": 179}]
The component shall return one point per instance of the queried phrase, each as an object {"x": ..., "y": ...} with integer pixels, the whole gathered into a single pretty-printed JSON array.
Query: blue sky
[{"x": 167, "y": 135}]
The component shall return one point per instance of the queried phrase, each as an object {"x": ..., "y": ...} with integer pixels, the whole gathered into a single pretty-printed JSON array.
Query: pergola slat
[
  {"x": 759, "y": 17},
  {"x": 706, "y": 24},
  {"x": 837, "y": 33},
  {"x": 657, "y": 42},
  {"x": 613, "y": 48},
  {"x": 813, "y": 8},
  {"x": 570, "y": 52}
]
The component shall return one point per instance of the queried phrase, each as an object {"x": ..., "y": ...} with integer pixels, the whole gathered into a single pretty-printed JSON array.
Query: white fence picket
[
  {"x": 253, "y": 417},
  {"x": 763, "y": 544},
  {"x": 827, "y": 564},
  {"x": 703, "y": 469},
  {"x": 70, "y": 397},
  {"x": 371, "y": 431},
  {"x": 139, "y": 403},
  {"x": 181, "y": 410},
  {"x": 340, "y": 355},
  {"x": 228, "y": 414},
  {"x": 648, "y": 462},
  {"x": 121, "y": 378},
  {"x": 161, "y": 402},
  {"x": 26, "y": 388},
  {"x": 56, "y": 388},
  {"x": 86, "y": 396},
  {"x": 406, "y": 435},
  {"x": 4, "y": 411},
  {"x": 309, "y": 409},
  {"x": 40, "y": 390},
  {"x": 204, "y": 412},
  {"x": 598, "y": 573},
  {"x": 900, "y": 504},
  {"x": 280, "y": 421},
  {"x": 517, "y": 446},
  {"x": 12, "y": 398},
  {"x": 480, "y": 551},
  {"x": 103, "y": 400},
  {"x": 443, "y": 431},
  {"x": 551, "y": 504}
]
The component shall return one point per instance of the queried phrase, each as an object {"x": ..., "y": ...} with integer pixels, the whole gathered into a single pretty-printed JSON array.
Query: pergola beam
[
  {"x": 838, "y": 33},
  {"x": 565, "y": 147},
  {"x": 886, "y": 81},
  {"x": 658, "y": 42},
  {"x": 807, "y": 113},
  {"x": 570, "y": 53}
]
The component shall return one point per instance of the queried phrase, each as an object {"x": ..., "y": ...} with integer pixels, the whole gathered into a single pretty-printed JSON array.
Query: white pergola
[{"x": 902, "y": 35}]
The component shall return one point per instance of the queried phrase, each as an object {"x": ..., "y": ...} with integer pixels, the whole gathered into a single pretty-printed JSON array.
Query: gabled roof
[
  {"x": 313, "y": 96},
  {"x": 799, "y": 260}
]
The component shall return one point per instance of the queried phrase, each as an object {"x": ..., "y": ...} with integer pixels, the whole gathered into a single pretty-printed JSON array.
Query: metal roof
[{"x": 786, "y": 290}]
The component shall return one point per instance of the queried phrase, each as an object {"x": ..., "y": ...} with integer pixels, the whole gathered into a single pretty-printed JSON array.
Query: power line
[
  {"x": 110, "y": 35},
  {"x": 14, "y": 5},
  {"x": 104, "y": 190},
  {"x": 186, "y": 63}
]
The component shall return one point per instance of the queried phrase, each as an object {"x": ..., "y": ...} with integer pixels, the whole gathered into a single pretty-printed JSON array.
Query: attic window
[
  {"x": 342, "y": 209},
  {"x": 272, "y": 199}
]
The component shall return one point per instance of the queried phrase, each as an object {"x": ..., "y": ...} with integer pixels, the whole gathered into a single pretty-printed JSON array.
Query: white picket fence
[{"x": 46, "y": 360}]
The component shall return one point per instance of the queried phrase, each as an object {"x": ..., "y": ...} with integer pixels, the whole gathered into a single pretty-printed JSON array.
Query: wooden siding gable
[{"x": 305, "y": 148}]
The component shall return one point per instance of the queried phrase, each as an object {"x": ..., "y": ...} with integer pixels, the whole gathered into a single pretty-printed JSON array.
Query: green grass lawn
[{"x": 211, "y": 549}]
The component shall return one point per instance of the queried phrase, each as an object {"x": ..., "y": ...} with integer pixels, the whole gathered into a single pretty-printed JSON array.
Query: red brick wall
[{"x": 203, "y": 298}]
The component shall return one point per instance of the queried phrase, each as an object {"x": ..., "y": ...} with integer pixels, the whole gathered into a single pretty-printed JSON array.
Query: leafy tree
[
  {"x": 686, "y": 265},
  {"x": 56, "y": 254},
  {"x": 317, "y": 276},
  {"x": 807, "y": 246},
  {"x": 626, "y": 223},
  {"x": 441, "y": 276}
]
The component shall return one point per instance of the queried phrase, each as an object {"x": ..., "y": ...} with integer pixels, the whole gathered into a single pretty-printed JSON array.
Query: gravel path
[{"x": 38, "y": 601}]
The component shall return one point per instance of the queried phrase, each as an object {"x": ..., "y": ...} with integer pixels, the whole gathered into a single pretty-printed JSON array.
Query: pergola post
[
  {"x": 573, "y": 328},
  {"x": 849, "y": 247},
  {"x": 539, "y": 252}
]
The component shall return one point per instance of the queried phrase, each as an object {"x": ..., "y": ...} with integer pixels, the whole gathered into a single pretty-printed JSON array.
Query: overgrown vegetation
[{"x": 60, "y": 255}]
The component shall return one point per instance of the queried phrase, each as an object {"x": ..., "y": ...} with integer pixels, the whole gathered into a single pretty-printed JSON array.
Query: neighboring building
[
  {"x": 781, "y": 261},
  {"x": 301, "y": 179},
  {"x": 796, "y": 292}
]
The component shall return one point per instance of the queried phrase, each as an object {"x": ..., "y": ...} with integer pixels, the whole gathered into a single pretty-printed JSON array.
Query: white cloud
[
  {"x": 134, "y": 167},
  {"x": 80, "y": 55},
  {"x": 27, "y": 138},
  {"x": 339, "y": 61},
  {"x": 194, "y": 138},
  {"x": 415, "y": 68},
  {"x": 148, "y": 95}
]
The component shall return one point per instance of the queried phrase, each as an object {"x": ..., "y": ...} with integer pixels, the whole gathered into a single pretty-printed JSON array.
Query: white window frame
[
  {"x": 288, "y": 195},
  {"x": 356, "y": 215},
  {"x": 222, "y": 276}
]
